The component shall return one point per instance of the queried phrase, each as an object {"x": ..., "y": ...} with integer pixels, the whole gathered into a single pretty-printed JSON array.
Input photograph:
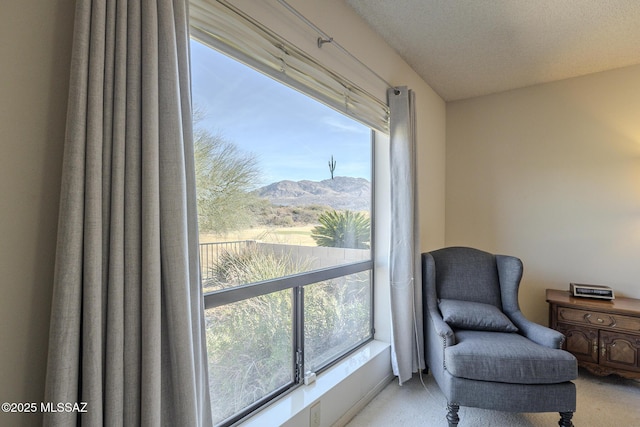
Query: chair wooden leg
[
  {"x": 565, "y": 419},
  {"x": 452, "y": 414}
]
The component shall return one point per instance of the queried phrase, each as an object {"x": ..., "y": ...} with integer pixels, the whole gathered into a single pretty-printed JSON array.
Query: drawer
[{"x": 599, "y": 319}]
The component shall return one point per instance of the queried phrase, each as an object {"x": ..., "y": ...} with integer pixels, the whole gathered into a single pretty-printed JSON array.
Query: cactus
[{"x": 332, "y": 166}]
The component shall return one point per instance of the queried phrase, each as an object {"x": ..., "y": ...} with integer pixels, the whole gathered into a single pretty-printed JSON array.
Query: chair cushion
[
  {"x": 474, "y": 315},
  {"x": 507, "y": 357},
  {"x": 467, "y": 273}
]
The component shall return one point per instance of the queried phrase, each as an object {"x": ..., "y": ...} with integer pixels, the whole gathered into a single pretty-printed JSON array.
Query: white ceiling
[{"x": 466, "y": 48}]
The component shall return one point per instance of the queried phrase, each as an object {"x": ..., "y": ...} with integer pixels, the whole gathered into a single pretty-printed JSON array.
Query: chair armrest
[
  {"x": 438, "y": 336},
  {"x": 437, "y": 326},
  {"x": 510, "y": 273},
  {"x": 537, "y": 333},
  {"x": 441, "y": 328}
]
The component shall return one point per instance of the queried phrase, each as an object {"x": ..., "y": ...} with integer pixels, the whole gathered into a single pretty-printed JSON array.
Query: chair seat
[{"x": 507, "y": 357}]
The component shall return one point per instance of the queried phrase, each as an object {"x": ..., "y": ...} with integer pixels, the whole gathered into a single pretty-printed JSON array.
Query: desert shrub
[
  {"x": 249, "y": 343},
  {"x": 271, "y": 215},
  {"x": 255, "y": 265}
]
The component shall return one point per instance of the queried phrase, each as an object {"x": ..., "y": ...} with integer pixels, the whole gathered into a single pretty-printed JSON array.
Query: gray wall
[{"x": 35, "y": 40}]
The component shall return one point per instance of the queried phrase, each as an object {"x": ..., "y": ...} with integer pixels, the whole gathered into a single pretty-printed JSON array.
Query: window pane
[
  {"x": 250, "y": 351},
  {"x": 337, "y": 317},
  {"x": 281, "y": 178},
  {"x": 283, "y": 187}
]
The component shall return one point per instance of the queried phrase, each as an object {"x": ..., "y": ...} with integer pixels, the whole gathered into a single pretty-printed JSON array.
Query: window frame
[
  {"x": 297, "y": 282},
  {"x": 240, "y": 293}
]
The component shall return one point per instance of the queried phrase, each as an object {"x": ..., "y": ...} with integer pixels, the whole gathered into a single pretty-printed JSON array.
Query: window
[{"x": 285, "y": 210}]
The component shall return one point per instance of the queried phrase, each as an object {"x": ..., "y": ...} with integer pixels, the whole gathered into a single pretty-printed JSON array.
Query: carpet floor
[{"x": 601, "y": 402}]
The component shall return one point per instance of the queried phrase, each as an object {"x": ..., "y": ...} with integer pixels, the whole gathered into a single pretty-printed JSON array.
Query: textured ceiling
[{"x": 467, "y": 48}]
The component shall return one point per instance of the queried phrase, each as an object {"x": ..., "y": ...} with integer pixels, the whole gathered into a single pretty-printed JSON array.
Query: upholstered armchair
[{"x": 480, "y": 348}]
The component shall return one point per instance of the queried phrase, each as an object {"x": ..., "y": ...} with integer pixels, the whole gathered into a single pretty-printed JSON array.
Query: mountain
[{"x": 342, "y": 192}]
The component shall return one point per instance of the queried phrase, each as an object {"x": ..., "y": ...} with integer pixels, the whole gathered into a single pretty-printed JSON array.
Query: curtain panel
[
  {"x": 404, "y": 264},
  {"x": 127, "y": 325}
]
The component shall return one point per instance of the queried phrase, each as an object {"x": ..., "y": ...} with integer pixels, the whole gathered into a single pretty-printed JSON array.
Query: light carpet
[{"x": 601, "y": 402}]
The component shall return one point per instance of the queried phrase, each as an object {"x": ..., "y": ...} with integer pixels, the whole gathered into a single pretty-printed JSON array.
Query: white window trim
[
  {"x": 343, "y": 391},
  {"x": 346, "y": 387}
]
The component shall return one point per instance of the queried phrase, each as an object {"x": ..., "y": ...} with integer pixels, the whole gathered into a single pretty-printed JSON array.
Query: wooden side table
[{"x": 603, "y": 335}]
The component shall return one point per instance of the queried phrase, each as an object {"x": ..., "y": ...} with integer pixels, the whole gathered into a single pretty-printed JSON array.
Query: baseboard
[{"x": 359, "y": 406}]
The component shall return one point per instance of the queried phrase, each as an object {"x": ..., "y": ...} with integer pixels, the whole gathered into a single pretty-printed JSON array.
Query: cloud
[{"x": 344, "y": 124}]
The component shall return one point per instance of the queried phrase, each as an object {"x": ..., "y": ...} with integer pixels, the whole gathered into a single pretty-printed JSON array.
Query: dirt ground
[{"x": 290, "y": 235}]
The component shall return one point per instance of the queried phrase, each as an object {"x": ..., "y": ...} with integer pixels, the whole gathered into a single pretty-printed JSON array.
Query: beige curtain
[
  {"x": 127, "y": 327},
  {"x": 407, "y": 355}
]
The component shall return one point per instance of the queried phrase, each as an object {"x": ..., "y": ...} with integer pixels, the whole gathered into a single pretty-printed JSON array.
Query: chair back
[{"x": 467, "y": 274}]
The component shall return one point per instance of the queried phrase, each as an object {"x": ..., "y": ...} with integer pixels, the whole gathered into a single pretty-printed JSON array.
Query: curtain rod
[{"x": 325, "y": 38}]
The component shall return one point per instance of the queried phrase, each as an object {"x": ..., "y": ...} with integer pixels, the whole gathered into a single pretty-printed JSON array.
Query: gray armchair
[{"x": 480, "y": 348}]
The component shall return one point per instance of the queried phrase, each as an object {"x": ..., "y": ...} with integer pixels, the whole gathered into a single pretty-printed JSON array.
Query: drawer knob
[{"x": 610, "y": 323}]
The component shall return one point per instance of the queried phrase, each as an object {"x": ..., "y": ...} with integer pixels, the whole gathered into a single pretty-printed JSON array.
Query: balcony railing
[
  {"x": 320, "y": 257},
  {"x": 211, "y": 252}
]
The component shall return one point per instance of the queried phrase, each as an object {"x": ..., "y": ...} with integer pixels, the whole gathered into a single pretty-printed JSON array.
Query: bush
[
  {"x": 249, "y": 343},
  {"x": 271, "y": 215},
  {"x": 343, "y": 229},
  {"x": 255, "y": 265}
]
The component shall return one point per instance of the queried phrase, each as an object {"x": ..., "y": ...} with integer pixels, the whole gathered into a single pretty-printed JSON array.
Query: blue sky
[{"x": 292, "y": 135}]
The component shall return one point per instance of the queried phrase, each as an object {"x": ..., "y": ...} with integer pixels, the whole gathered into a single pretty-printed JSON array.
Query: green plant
[
  {"x": 336, "y": 316},
  {"x": 271, "y": 215},
  {"x": 249, "y": 350},
  {"x": 225, "y": 176},
  {"x": 343, "y": 229},
  {"x": 249, "y": 342},
  {"x": 255, "y": 265}
]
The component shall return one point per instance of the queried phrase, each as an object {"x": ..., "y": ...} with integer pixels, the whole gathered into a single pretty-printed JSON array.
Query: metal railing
[{"x": 210, "y": 253}]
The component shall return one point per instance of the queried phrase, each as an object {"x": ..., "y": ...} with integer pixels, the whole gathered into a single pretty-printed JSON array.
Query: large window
[{"x": 285, "y": 212}]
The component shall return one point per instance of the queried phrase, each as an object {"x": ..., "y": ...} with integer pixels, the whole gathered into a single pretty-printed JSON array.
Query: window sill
[{"x": 343, "y": 390}]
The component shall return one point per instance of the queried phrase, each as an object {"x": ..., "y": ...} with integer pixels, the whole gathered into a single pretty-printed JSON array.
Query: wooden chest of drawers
[{"x": 603, "y": 335}]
